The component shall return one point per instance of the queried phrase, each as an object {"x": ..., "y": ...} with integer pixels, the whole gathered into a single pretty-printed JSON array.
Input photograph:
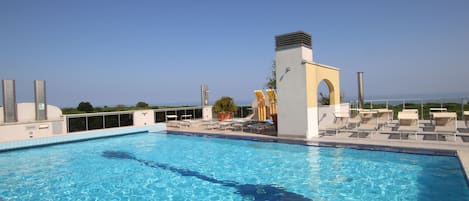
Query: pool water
[{"x": 151, "y": 166}]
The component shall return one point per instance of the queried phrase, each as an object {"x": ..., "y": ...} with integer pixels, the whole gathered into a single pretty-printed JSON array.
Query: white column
[{"x": 295, "y": 119}]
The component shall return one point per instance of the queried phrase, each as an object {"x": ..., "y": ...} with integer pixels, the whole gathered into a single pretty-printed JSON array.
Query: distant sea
[{"x": 433, "y": 97}]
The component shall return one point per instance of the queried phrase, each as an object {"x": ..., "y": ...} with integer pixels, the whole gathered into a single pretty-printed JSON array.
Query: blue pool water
[{"x": 151, "y": 166}]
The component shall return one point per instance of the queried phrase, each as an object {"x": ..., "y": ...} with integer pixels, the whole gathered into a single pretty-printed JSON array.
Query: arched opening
[{"x": 325, "y": 92}]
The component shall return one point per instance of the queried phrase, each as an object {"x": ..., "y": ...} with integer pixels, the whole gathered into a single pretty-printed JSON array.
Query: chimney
[
  {"x": 10, "y": 113},
  {"x": 40, "y": 99},
  {"x": 204, "y": 95},
  {"x": 360, "y": 89}
]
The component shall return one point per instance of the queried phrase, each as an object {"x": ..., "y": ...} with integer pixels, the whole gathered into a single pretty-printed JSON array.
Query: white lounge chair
[
  {"x": 209, "y": 125},
  {"x": 435, "y": 110},
  {"x": 353, "y": 122},
  {"x": 340, "y": 122},
  {"x": 368, "y": 123},
  {"x": 225, "y": 125},
  {"x": 261, "y": 127},
  {"x": 172, "y": 123},
  {"x": 416, "y": 111},
  {"x": 171, "y": 117},
  {"x": 241, "y": 123},
  {"x": 408, "y": 123},
  {"x": 384, "y": 117},
  {"x": 245, "y": 119},
  {"x": 185, "y": 123},
  {"x": 445, "y": 123},
  {"x": 178, "y": 124}
]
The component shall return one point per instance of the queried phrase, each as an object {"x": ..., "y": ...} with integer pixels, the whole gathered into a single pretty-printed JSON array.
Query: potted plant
[{"x": 224, "y": 107}]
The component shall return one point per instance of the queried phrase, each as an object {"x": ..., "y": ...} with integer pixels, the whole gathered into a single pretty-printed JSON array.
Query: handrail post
[
  {"x": 462, "y": 108},
  {"x": 421, "y": 109},
  {"x": 86, "y": 121},
  {"x": 68, "y": 124}
]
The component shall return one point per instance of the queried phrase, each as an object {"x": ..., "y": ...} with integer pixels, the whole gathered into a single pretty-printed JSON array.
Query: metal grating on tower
[{"x": 294, "y": 39}]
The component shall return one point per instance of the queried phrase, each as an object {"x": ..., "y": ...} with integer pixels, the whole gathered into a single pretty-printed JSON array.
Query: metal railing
[
  {"x": 102, "y": 120},
  {"x": 423, "y": 105},
  {"x": 161, "y": 114},
  {"x": 99, "y": 120}
]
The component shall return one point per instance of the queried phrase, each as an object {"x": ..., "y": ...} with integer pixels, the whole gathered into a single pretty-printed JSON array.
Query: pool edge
[
  {"x": 387, "y": 148},
  {"x": 77, "y": 137}
]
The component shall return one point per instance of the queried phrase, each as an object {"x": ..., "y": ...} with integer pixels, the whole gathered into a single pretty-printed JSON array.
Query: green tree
[
  {"x": 225, "y": 104},
  {"x": 141, "y": 104},
  {"x": 98, "y": 109},
  {"x": 120, "y": 107},
  {"x": 69, "y": 110},
  {"x": 272, "y": 79},
  {"x": 85, "y": 107},
  {"x": 326, "y": 100}
]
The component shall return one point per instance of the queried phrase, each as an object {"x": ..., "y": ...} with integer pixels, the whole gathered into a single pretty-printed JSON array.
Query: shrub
[
  {"x": 225, "y": 104},
  {"x": 85, "y": 107}
]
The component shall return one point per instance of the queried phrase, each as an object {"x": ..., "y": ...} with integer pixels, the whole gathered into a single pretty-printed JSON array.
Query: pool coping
[
  {"x": 388, "y": 148},
  {"x": 77, "y": 137}
]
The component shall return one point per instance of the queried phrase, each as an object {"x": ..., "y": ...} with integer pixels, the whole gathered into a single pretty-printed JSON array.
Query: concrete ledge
[
  {"x": 300, "y": 141},
  {"x": 81, "y": 136},
  {"x": 464, "y": 160}
]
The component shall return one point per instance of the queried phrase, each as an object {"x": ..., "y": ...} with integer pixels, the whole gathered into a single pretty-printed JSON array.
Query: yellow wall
[
  {"x": 261, "y": 109},
  {"x": 315, "y": 73},
  {"x": 272, "y": 100}
]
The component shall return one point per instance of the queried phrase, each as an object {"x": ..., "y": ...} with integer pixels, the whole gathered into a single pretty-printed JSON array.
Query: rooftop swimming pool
[{"x": 152, "y": 166}]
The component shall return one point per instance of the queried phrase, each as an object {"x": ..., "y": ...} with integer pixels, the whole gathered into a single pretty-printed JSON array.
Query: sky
[{"x": 111, "y": 52}]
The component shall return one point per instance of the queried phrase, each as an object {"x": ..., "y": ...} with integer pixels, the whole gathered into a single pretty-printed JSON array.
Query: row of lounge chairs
[
  {"x": 372, "y": 121},
  {"x": 365, "y": 121},
  {"x": 241, "y": 124},
  {"x": 179, "y": 124},
  {"x": 235, "y": 124}
]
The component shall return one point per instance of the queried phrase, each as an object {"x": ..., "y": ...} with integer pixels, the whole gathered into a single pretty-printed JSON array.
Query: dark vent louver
[{"x": 294, "y": 39}]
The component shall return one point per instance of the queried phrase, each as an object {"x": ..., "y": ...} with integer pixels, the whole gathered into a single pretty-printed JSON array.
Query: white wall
[
  {"x": 291, "y": 91},
  {"x": 23, "y": 131},
  {"x": 27, "y": 127},
  {"x": 144, "y": 118},
  {"x": 326, "y": 113},
  {"x": 207, "y": 113},
  {"x": 313, "y": 126}
]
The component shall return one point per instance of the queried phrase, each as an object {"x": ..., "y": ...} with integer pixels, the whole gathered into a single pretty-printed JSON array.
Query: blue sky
[{"x": 113, "y": 52}]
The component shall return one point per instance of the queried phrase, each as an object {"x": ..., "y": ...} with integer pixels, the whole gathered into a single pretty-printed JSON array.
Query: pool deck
[{"x": 376, "y": 141}]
